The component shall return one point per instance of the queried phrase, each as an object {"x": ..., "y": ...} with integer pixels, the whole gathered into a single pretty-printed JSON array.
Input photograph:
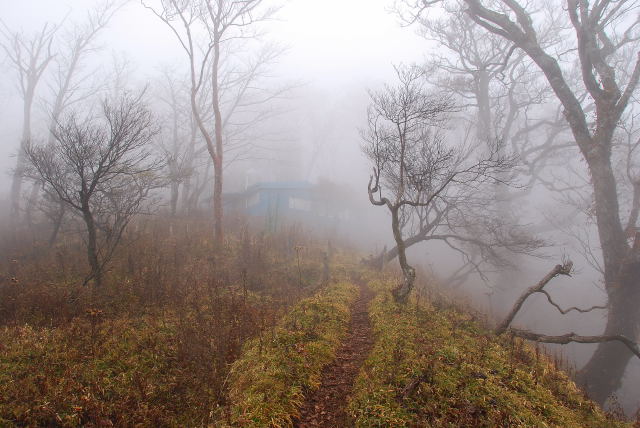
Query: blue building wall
[
  {"x": 278, "y": 198},
  {"x": 277, "y": 203}
]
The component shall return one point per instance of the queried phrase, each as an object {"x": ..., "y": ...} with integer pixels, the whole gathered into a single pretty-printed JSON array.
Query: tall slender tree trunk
[
  {"x": 485, "y": 128},
  {"x": 218, "y": 161},
  {"x": 217, "y": 203},
  {"x": 175, "y": 187},
  {"x": 57, "y": 223},
  {"x": 32, "y": 200},
  {"x": 506, "y": 288},
  {"x": 18, "y": 173},
  {"x": 185, "y": 206},
  {"x": 92, "y": 243}
]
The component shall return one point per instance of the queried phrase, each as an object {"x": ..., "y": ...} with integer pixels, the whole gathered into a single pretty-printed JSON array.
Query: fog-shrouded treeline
[{"x": 498, "y": 139}]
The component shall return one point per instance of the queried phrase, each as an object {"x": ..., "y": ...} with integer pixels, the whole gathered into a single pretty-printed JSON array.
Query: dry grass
[
  {"x": 435, "y": 365},
  {"x": 154, "y": 345}
]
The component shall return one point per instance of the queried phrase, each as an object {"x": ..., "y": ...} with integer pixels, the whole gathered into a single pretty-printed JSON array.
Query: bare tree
[
  {"x": 505, "y": 102},
  {"x": 103, "y": 170},
  {"x": 416, "y": 174},
  {"x": 70, "y": 86},
  {"x": 508, "y": 96},
  {"x": 30, "y": 56},
  {"x": 176, "y": 143},
  {"x": 602, "y": 34},
  {"x": 221, "y": 21}
]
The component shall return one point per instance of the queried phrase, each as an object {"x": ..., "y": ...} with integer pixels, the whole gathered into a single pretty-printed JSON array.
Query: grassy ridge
[
  {"x": 154, "y": 345},
  {"x": 437, "y": 367},
  {"x": 268, "y": 382}
]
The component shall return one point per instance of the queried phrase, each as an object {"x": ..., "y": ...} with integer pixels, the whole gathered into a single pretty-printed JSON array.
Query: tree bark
[
  {"x": 92, "y": 244},
  {"x": 602, "y": 375},
  {"x": 401, "y": 293},
  {"x": 217, "y": 162},
  {"x": 18, "y": 173}
]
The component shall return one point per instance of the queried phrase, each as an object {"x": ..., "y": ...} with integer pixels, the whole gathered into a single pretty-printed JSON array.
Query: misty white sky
[{"x": 336, "y": 47}]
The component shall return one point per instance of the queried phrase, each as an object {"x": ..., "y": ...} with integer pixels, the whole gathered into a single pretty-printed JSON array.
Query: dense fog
[{"x": 306, "y": 90}]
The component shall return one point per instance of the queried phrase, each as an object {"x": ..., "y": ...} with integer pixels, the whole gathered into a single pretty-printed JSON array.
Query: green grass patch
[
  {"x": 468, "y": 376},
  {"x": 268, "y": 382}
]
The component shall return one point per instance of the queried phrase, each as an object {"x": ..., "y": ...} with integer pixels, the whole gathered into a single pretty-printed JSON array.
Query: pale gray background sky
[{"x": 337, "y": 47}]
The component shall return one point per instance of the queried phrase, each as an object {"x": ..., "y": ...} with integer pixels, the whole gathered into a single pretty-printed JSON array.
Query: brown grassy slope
[{"x": 153, "y": 346}]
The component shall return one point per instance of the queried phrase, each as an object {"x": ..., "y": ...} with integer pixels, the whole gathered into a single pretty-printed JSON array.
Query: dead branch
[
  {"x": 572, "y": 337},
  {"x": 413, "y": 384},
  {"x": 573, "y": 308},
  {"x": 563, "y": 269}
]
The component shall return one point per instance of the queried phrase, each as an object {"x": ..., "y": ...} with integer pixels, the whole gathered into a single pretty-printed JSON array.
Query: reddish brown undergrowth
[{"x": 153, "y": 345}]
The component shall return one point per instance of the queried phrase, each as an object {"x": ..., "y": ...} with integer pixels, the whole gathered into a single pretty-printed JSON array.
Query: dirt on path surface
[{"x": 326, "y": 407}]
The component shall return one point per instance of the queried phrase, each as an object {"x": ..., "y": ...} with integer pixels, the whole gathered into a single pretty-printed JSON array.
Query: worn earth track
[{"x": 326, "y": 407}]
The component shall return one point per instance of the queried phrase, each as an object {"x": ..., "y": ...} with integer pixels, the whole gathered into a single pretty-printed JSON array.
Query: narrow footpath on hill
[{"x": 326, "y": 407}]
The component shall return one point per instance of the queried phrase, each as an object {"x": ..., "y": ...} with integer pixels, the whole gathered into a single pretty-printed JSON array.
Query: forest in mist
[{"x": 196, "y": 192}]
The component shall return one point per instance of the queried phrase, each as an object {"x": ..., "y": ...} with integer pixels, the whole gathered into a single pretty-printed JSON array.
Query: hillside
[
  {"x": 429, "y": 364},
  {"x": 284, "y": 349}
]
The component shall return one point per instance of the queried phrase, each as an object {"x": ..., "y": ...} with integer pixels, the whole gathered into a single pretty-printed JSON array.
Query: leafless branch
[
  {"x": 563, "y": 269},
  {"x": 572, "y": 337}
]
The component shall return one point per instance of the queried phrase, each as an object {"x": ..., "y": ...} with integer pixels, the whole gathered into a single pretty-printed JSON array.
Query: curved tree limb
[
  {"x": 572, "y": 337},
  {"x": 563, "y": 269},
  {"x": 573, "y": 308}
]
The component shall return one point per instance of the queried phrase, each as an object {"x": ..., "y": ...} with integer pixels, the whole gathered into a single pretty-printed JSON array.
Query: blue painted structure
[{"x": 275, "y": 201}]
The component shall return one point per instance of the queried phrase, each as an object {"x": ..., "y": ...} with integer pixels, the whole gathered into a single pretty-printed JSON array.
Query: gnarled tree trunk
[{"x": 401, "y": 293}]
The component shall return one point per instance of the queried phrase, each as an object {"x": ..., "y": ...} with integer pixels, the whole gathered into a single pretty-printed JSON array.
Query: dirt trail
[{"x": 326, "y": 407}]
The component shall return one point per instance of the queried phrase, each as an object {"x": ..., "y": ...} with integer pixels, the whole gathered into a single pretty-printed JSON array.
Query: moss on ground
[{"x": 462, "y": 375}]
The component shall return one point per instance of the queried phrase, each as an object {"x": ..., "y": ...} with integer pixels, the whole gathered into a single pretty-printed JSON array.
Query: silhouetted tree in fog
[
  {"x": 603, "y": 33},
  {"x": 179, "y": 144},
  {"x": 71, "y": 84},
  {"x": 102, "y": 168},
  {"x": 417, "y": 175},
  {"x": 30, "y": 57},
  {"x": 205, "y": 30},
  {"x": 506, "y": 101}
]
